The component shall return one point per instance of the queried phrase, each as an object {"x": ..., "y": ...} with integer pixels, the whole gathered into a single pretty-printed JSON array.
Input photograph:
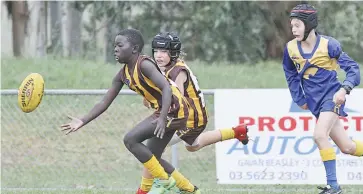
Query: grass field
[{"x": 36, "y": 157}]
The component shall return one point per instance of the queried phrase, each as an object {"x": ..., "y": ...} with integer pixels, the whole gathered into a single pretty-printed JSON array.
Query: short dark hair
[{"x": 134, "y": 37}]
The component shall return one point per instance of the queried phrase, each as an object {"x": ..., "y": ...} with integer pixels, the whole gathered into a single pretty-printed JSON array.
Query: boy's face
[
  {"x": 162, "y": 57},
  {"x": 123, "y": 49},
  {"x": 298, "y": 28}
]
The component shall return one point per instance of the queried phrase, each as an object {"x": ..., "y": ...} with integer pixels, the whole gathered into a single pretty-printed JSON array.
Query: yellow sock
[
  {"x": 359, "y": 148},
  {"x": 182, "y": 182},
  {"x": 146, "y": 184},
  {"x": 227, "y": 134},
  {"x": 155, "y": 169},
  {"x": 327, "y": 154}
]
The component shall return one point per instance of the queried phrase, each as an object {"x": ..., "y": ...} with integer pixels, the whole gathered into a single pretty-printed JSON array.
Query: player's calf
[
  {"x": 348, "y": 148},
  {"x": 354, "y": 148}
]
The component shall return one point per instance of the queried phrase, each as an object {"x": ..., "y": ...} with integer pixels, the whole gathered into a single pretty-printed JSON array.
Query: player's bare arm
[
  {"x": 180, "y": 80},
  {"x": 103, "y": 105},
  {"x": 151, "y": 72},
  {"x": 98, "y": 109}
]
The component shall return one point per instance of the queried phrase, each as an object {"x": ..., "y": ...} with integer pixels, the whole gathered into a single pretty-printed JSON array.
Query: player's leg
[
  {"x": 195, "y": 139},
  {"x": 176, "y": 139},
  {"x": 211, "y": 137},
  {"x": 342, "y": 140},
  {"x": 181, "y": 182},
  {"x": 133, "y": 142},
  {"x": 157, "y": 147},
  {"x": 322, "y": 130}
]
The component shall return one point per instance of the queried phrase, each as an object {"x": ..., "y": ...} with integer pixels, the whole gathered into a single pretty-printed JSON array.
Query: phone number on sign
[{"x": 236, "y": 175}]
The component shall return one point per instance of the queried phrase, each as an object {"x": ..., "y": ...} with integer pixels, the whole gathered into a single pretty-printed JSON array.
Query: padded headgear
[
  {"x": 308, "y": 14},
  {"x": 168, "y": 41}
]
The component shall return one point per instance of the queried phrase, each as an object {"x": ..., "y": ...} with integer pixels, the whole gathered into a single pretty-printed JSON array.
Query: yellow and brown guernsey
[
  {"x": 142, "y": 85},
  {"x": 198, "y": 117}
]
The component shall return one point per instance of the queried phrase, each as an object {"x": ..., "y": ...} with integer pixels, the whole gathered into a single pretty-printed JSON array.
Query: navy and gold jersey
[
  {"x": 142, "y": 85},
  {"x": 198, "y": 117},
  {"x": 312, "y": 77}
]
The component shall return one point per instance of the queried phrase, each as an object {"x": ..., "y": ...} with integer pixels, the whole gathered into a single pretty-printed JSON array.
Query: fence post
[{"x": 174, "y": 155}]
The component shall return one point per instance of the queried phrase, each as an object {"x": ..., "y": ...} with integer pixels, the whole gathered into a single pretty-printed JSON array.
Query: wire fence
[{"x": 37, "y": 154}]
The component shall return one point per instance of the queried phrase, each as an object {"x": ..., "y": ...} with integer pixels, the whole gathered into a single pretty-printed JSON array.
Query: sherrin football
[{"x": 31, "y": 92}]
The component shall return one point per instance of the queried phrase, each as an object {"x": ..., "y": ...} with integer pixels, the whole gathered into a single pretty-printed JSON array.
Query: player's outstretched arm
[
  {"x": 102, "y": 106},
  {"x": 150, "y": 71},
  {"x": 98, "y": 109},
  {"x": 293, "y": 81}
]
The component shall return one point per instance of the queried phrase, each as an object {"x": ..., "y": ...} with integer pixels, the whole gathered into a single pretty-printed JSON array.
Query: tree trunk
[
  {"x": 277, "y": 14},
  {"x": 54, "y": 27},
  {"x": 66, "y": 28},
  {"x": 41, "y": 29},
  {"x": 75, "y": 31},
  {"x": 19, "y": 12},
  {"x": 71, "y": 29}
]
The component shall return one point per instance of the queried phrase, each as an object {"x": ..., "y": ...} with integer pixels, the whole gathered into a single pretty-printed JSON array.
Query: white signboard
[{"x": 282, "y": 149}]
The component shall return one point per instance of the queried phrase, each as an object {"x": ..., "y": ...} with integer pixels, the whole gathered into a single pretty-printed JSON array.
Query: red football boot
[
  {"x": 139, "y": 191},
  {"x": 240, "y": 133}
]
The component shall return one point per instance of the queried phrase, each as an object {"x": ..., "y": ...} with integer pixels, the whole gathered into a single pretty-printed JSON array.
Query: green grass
[
  {"x": 36, "y": 154},
  {"x": 91, "y": 75}
]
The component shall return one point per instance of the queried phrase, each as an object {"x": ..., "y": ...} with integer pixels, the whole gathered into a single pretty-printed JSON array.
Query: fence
[{"x": 37, "y": 154}]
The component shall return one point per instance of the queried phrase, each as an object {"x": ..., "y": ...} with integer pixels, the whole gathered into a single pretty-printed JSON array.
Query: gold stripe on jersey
[
  {"x": 175, "y": 92},
  {"x": 151, "y": 98},
  {"x": 198, "y": 117},
  {"x": 145, "y": 87}
]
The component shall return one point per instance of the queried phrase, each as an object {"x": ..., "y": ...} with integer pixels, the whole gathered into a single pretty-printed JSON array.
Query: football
[{"x": 31, "y": 92}]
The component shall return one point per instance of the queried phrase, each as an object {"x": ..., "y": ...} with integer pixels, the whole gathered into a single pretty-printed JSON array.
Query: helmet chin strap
[
  {"x": 171, "y": 62},
  {"x": 306, "y": 34}
]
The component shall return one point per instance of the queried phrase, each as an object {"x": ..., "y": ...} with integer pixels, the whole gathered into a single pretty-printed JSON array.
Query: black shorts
[
  {"x": 172, "y": 123},
  {"x": 190, "y": 135}
]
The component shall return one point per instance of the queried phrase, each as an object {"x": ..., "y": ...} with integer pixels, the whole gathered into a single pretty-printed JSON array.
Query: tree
[
  {"x": 19, "y": 13},
  {"x": 40, "y": 11},
  {"x": 71, "y": 25}
]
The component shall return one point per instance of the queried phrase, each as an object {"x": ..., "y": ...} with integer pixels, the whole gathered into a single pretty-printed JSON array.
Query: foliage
[
  {"x": 246, "y": 31},
  {"x": 231, "y": 31}
]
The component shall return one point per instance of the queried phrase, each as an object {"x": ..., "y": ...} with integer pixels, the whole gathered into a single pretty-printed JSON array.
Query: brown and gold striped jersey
[
  {"x": 142, "y": 85},
  {"x": 198, "y": 117}
]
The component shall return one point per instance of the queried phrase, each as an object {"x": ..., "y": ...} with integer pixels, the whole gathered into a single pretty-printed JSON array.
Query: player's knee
[
  {"x": 128, "y": 141},
  {"x": 192, "y": 148},
  {"x": 319, "y": 137},
  {"x": 348, "y": 148}
]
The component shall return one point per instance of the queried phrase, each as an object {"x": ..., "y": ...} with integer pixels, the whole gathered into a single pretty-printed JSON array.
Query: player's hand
[
  {"x": 146, "y": 103},
  {"x": 160, "y": 127},
  {"x": 339, "y": 97},
  {"x": 73, "y": 126},
  {"x": 305, "y": 106}
]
